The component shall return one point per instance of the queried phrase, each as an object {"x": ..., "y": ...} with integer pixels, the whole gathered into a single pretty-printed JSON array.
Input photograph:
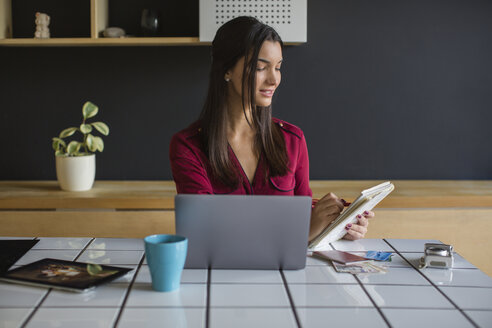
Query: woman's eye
[
  {"x": 277, "y": 69},
  {"x": 260, "y": 68}
]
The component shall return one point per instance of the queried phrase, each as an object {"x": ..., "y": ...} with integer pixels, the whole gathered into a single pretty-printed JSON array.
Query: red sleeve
[
  {"x": 302, "y": 170},
  {"x": 188, "y": 170}
]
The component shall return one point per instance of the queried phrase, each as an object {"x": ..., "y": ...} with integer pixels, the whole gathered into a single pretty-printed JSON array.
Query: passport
[{"x": 340, "y": 257}]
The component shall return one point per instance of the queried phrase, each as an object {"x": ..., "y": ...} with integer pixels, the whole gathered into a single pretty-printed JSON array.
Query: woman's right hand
[{"x": 324, "y": 212}]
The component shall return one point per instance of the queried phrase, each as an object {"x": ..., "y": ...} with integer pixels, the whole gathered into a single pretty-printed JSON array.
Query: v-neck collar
[{"x": 245, "y": 176}]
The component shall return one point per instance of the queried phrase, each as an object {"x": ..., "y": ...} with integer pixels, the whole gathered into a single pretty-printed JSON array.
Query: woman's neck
[{"x": 237, "y": 125}]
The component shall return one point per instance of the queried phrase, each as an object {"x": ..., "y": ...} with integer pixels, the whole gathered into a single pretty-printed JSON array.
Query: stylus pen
[{"x": 315, "y": 200}]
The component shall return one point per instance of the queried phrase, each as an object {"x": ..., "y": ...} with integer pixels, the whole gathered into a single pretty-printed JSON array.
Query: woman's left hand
[{"x": 358, "y": 230}]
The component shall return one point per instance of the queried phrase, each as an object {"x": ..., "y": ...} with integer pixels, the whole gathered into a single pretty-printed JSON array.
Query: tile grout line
[
  {"x": 36, "y": 308},
  {"x": 368, "y": 295},
  {"x": 291, "y": 300},
  {"x": 83, "y": 250},
  {"x": 242, "y": 306},
  {"x": 207, "y": 310},
  {"x": 372, "y": 301},
  {"x": 122, "y": 306},
  {"x": 433, "y": 285}
]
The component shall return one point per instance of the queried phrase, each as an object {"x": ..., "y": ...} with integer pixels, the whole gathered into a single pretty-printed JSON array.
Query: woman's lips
[{"x": 266, "y": 92}]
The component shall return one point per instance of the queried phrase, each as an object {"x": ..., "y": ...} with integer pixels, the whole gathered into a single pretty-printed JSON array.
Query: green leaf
[
  {"x": 101, "y": 127},
  {"x": 67, "y": 132},
  {"x": 60, "y": 141},
  {"x": 57, "y": 142},
  {"x": 85, "y": 128},
  {"x": 99, "y": 143},
  {"x": 90, "y": 143},
  {"x": 94, "y": 269},
  {"x": 55, "y": 145},
  {"x": 73, "y": 147},
  {"x": 59, "y": 153},
  {"x": 89, "y": 110}
]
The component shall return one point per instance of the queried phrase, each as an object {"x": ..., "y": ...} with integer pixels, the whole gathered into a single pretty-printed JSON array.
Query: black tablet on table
[{"x": 68, "y": 275}]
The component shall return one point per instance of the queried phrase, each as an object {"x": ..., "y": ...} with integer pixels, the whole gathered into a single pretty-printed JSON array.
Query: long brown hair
[{"x": 240, "y": 37}]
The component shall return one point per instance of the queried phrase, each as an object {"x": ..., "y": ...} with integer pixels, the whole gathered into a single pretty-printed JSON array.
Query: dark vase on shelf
[{"x": 149, "y": 24}]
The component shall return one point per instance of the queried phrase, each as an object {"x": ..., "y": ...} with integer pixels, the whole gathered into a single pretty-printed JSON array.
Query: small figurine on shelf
[
  {"x": 42, "y": 30},
  {"x": 114, "y": 32}
]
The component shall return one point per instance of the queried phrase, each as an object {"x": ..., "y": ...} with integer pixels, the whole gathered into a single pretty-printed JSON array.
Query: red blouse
[{"x": 191, "y": 168}]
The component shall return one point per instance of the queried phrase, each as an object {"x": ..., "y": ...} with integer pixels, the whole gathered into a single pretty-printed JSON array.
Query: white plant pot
[{"x": 76, "y": 173}]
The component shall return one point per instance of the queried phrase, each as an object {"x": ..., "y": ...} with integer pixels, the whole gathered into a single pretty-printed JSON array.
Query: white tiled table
[{"x": 314, "y": 297}]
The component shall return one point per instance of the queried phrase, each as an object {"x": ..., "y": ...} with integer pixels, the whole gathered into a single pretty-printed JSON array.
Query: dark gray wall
[{"x": 383, "y": 89}]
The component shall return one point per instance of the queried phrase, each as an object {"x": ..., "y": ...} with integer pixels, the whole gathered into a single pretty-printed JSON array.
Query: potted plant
[{"x": 76, "y": 160}]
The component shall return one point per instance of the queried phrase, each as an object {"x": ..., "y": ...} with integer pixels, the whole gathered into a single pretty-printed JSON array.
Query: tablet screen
[{"x": 75, "y": 276}]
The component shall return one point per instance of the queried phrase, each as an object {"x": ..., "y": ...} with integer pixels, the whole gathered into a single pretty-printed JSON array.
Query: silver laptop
[{"x": 244, "y": 232}]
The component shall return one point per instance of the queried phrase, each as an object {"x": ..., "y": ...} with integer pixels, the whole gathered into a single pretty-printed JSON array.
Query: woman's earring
[{"x": 227, "y": 79}]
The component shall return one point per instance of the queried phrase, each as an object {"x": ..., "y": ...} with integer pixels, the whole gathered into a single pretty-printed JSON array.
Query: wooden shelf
[
  {"x": 16, "y": 195},
  {"x": 91, "y": 42},
  {"x": 148, "y": 195},
  {"x": 56, "y": 42}
]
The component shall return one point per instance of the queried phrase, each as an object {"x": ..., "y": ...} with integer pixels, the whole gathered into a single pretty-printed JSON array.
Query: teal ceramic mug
[{"x": 166, "y": 255}]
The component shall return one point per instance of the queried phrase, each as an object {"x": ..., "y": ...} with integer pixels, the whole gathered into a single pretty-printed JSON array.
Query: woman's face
[{"x": 267, "y": 74}]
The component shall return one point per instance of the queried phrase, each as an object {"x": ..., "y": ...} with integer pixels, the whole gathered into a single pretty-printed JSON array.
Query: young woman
[{"x": 236, "y": 146}]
